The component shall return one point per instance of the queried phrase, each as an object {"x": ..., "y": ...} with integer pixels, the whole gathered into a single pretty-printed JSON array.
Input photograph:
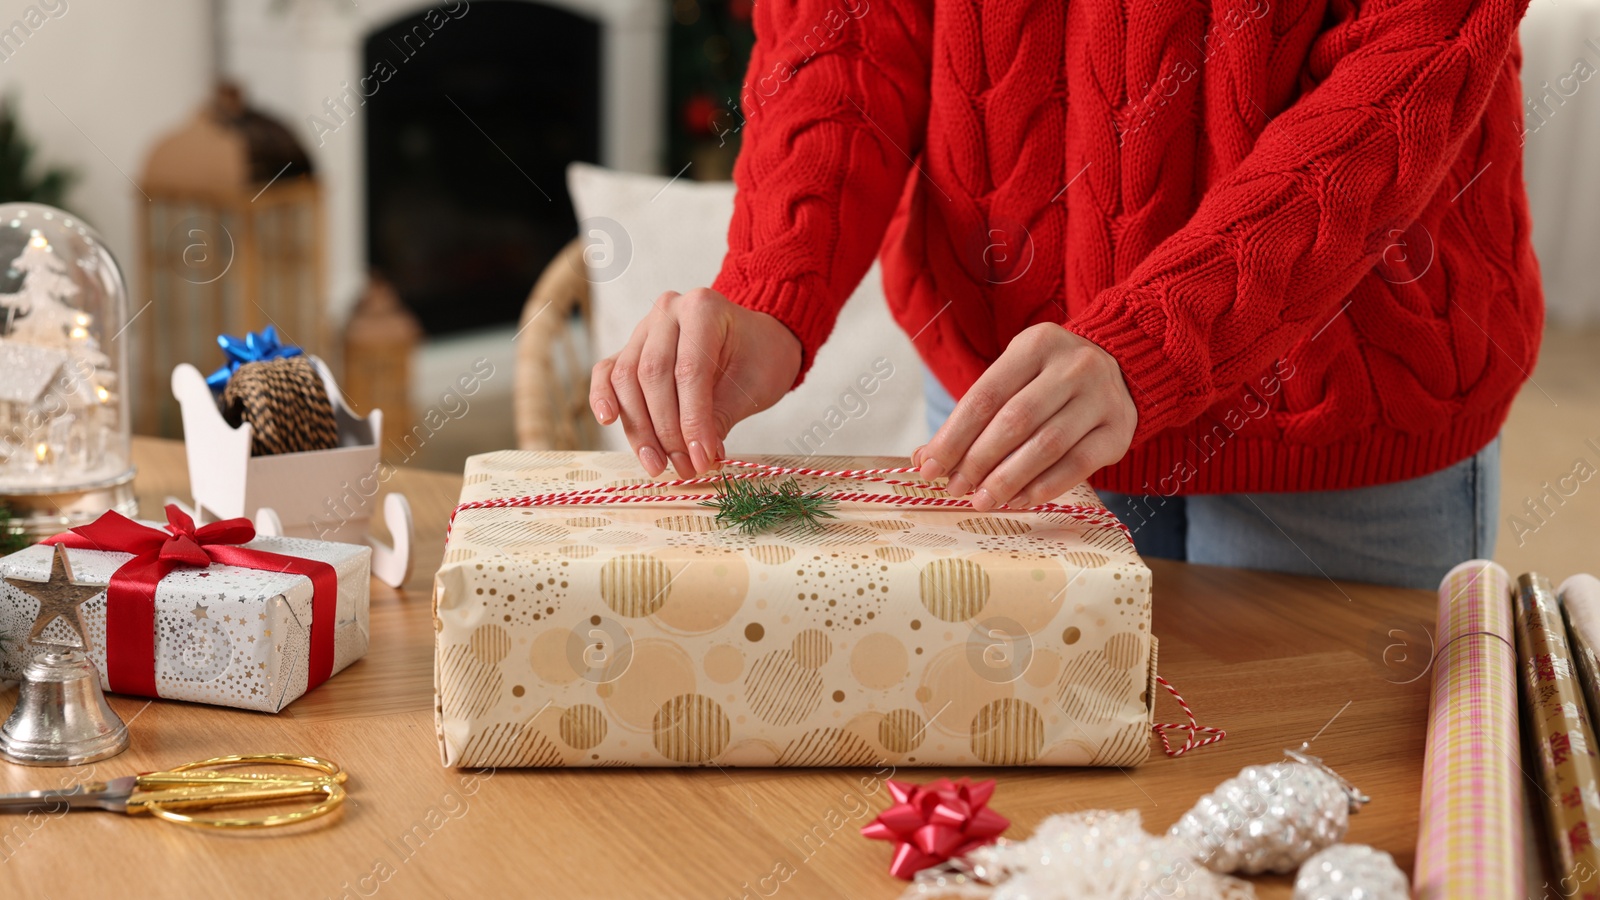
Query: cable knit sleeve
[
  {"x": 1276, "y": 246},
  {"x": 835, "y": 104}
]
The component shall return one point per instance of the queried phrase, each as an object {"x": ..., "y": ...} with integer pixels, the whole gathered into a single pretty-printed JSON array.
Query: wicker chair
[
  {"x": 554, "y": 354},
  {"x": 551, "y": 395}
]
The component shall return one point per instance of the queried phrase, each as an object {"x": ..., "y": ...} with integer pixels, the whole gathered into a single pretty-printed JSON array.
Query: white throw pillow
[{"x": 863, "y": 396}]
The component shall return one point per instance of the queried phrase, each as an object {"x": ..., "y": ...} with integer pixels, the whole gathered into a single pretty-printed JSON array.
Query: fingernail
[
  {"x": 916, "y": 455},
  {"x": 682, "y": 463},
  {"x": 931, "y": 468},
  {"x": 604, "y": 412},
  {"x": 651, "y": 460},
  {"x": 697, "y": 455},
  {"x": 982, "y": 501},
  {"x": 957, "y": 486}
]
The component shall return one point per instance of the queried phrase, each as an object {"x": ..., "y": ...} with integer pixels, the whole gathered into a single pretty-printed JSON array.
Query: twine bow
[{"x": 1192, "y": 727}]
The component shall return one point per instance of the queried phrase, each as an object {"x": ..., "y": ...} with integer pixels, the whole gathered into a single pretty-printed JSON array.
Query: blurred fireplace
[
  {"x": 461, "y": 210},
  {"x": 471, "y": 120}
]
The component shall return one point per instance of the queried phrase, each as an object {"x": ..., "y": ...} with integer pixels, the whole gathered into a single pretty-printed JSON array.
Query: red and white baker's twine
[
  {"x": 1194, "y": 728},
  {"x": 1094, "y": 515}
]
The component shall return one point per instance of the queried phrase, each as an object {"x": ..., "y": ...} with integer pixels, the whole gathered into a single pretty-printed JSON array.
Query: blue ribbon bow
[{"x": 254, "y": 347}]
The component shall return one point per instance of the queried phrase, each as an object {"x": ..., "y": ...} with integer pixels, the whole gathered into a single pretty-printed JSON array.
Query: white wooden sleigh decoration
[{"x": 323, "y": 494}]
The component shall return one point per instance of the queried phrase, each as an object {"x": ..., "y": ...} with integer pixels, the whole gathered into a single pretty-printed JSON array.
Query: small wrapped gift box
[
  {"x": 643, "y": 634},
  {"x": 212, "y": 615}
]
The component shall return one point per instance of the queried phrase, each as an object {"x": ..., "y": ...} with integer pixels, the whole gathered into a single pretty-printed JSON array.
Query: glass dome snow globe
[{"x": 64, "y": 430}]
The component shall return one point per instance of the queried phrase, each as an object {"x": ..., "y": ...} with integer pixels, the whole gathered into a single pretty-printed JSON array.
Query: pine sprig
[{"x": 754, "y": 506}]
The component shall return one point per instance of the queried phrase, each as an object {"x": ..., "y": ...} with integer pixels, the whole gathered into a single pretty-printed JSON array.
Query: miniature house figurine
[{"x": 31, "y": 373}]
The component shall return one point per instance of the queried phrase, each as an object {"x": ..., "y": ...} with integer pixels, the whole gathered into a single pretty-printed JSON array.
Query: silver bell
[{"x": 62, "y": 717}]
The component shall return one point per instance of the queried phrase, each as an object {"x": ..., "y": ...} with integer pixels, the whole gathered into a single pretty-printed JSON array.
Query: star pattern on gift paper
[
  {"x": 930, "y": 824},
  {"x": 199, "y": 612},
  {"x": 59, "y": 598}
]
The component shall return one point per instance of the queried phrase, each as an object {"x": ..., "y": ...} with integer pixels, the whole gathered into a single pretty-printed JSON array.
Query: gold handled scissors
[{"x": 201, "y": 785}]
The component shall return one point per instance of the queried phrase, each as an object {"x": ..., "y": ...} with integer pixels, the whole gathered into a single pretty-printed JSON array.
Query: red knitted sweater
[{"x": 1298, "y": 225}]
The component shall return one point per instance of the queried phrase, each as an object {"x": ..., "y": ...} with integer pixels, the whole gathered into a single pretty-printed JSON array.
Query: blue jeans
[{"x": 1408, "y": 533}]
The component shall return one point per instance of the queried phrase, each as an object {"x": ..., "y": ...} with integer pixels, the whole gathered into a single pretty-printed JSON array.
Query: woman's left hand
[{"x": 1051, "y": 411}]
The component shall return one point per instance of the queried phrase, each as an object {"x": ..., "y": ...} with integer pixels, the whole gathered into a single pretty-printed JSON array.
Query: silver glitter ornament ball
[
  {"x": 1351, "y": 872},
  {"x": 1269, "y": 818},
  {"x": 1090, "y": 855}
]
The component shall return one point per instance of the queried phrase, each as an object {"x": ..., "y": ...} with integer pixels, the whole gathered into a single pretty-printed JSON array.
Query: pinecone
[{"x": 1269, "y": 818}]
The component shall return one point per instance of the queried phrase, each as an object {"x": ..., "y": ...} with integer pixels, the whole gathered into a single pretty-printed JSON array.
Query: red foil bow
[
  {"x": 929, "y": 825},
  {"x": 131, "y": 595}
]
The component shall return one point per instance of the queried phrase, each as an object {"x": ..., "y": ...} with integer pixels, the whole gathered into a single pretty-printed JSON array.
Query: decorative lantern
[
  {"x": 64, "y": 447},
  {"x": 378, "y": 343},
  {"x": 231, "y": 242}
]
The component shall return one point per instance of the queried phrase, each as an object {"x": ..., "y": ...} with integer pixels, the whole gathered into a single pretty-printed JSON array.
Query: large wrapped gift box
[
  {"x": 645, "y": 635},
  {"x": 225, "y": 635}
]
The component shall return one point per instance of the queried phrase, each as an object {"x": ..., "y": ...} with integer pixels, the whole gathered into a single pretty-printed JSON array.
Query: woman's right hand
[{"x": 695, "y": 366}]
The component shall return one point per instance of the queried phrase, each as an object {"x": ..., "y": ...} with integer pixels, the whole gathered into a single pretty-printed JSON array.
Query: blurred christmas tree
[
  {"x": 11, "y": 540},
  {"x": 711, "y": 41},
  {"x": 17, "y": 182}
]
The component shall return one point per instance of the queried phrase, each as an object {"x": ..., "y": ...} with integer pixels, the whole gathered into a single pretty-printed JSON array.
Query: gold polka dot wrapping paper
[{"x": 644, "y": 635}]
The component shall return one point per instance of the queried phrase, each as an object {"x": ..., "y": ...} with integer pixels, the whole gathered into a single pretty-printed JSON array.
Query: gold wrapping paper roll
[
  {"x": 1580, "y": 602},
  {"x": 1569, "y": 770}
]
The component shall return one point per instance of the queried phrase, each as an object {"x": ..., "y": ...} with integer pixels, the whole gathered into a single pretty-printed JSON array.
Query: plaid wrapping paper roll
[
  {"x": 1470, "y": 837},
  {"x": 1569, "y": 769}
]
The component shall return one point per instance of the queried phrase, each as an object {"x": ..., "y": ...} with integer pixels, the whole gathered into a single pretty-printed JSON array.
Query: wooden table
[{"x": 1276, "y": 660}]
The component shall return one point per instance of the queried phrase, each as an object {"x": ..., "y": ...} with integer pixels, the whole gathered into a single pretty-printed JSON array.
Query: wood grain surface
[{"x": 1275, "y": 660}]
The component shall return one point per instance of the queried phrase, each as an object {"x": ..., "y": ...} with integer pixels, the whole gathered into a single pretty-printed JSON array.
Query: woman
[{"x": 1260, "y": 271}]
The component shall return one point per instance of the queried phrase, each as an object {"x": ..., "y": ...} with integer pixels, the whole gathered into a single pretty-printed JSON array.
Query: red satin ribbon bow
[
  {"x": 131, "y": 595},
  {"x": 929, "y": 825}
]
